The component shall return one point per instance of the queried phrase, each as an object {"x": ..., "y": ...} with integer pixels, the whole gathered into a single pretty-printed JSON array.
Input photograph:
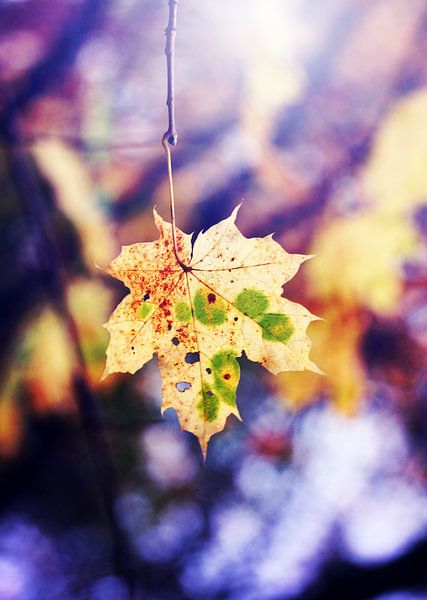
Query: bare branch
[{"x": 170, "y": 135}]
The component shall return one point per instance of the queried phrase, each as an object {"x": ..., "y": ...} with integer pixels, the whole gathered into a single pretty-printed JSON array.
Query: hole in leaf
[
  {"x": 211, "y": 298},
  {"x": 192, "y": 357},
  {"x": 209, "y": 393},
  {"x": 146, "y": 297},
  {"x": 208, "y": 371},
  {"x": 175, "y": 341},
  {"x": 169, "y": 327},
  {"x": 182, "y": 386}
]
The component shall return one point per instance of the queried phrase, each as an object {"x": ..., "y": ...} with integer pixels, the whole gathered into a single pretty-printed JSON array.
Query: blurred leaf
[
  {"x": 50, "y": 364},
  {"x": 69, "y": 176},
  {"x": 90, "y": 303},
  {"x": 359, "y": 260},
  {"x": 335, "y": 345},
  {"x": 396, "y": 175},
  {"x": 50, "y": 357}
]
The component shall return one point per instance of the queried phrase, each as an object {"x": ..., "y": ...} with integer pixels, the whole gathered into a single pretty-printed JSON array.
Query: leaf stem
[{"x": 166, "y": 146}]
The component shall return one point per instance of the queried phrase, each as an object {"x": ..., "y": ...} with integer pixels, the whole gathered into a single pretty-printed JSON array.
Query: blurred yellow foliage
[
  {"x": 50, "y": 356},
  {"x": 360, "y": 256},
  {"x": 50, "y": 363},
  {"x": 44, "y": 360}
]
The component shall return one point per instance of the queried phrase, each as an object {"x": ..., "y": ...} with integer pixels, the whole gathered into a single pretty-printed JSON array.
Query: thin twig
[
  {"x": 170, "y": 136},
  {"x": 170, "y": 32}
]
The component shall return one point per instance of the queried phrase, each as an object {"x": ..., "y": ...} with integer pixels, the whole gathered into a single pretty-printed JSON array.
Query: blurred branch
[
  {"x": 87, "y": 145},
  {"x": 59, "y": 57},
  {"x": 27, "y": 185}
]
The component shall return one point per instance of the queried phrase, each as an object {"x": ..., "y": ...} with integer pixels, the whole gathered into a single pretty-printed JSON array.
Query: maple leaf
[{"x": 199, "y": 318}]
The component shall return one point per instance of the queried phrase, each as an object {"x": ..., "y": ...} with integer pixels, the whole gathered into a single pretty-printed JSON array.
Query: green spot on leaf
[
  {"x": 209, "y": 308},
  {"x": 183, "y": 312},
  {"x": 144, "y": 310},
  {"x": 276, "y": 328},
  {"x": 208, "y": 405},
  {"x": 226, "y": 374},
  {"x": 252, "y": 302}
]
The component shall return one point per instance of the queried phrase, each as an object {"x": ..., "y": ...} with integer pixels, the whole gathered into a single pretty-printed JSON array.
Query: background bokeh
[{"x": 315, "y": 114}]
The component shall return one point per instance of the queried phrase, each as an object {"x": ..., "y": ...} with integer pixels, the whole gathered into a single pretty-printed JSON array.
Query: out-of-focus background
[{"x": 315, "y": 114}]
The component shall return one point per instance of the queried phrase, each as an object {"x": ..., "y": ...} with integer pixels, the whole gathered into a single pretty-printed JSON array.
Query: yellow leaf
[{"x": 199, "y": 318}]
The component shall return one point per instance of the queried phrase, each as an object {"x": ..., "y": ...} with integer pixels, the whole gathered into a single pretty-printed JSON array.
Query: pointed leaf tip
[
  {"x": 95, "y": 264},
  {"x": 105, "y": 373},
  {"x": 158, "y": 219},
  {"x": 235, "y": 210}
]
